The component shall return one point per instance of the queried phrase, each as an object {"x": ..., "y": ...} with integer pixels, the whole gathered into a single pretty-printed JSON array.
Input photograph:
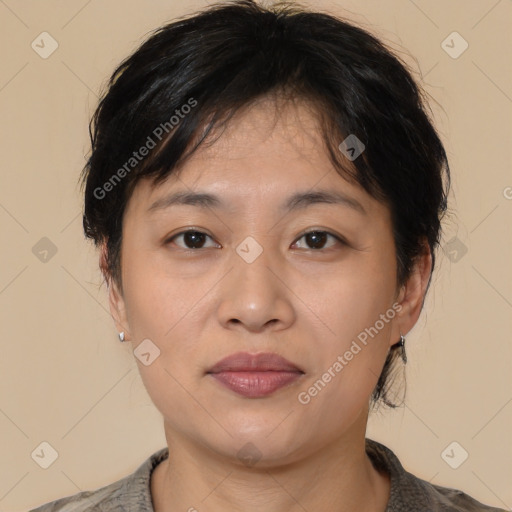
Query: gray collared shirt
[{"x": 408, "y": 493}]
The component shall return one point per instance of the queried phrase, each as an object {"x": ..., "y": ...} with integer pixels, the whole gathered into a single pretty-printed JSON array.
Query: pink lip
[
  {"x": 255, "y": 375},
  {"x": 245, "y": 362}
]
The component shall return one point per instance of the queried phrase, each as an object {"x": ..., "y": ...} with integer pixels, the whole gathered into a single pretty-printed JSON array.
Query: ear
[
  {"x": 115, "y": 296},
  {"x": 412, "y": 295}
]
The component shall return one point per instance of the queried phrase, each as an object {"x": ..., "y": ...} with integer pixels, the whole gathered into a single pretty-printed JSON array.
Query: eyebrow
[{"x": 297, "y": 201}]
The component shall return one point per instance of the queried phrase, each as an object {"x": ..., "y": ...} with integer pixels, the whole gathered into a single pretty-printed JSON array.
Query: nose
[{"x": 255, "y": 296}]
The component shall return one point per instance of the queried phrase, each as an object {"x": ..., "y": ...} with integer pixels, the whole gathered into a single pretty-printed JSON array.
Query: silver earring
[
  {"x": 121, "y": 336},
  {"x": 401, "y": 344}
]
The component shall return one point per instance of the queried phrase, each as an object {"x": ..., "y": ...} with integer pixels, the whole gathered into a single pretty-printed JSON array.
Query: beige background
[{"x": 64, "y": 377}]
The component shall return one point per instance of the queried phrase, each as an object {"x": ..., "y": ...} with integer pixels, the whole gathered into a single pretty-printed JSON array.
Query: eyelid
[
  {"x": 193, "y": 229},
  {"x": 328, "y": 232}
]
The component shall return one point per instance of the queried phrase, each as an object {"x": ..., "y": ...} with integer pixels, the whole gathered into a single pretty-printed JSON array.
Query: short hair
[{"x": 195, "y": 73}]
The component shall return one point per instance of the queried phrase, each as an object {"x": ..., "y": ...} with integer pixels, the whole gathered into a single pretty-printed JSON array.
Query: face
[{"x": 248, "y": 278}]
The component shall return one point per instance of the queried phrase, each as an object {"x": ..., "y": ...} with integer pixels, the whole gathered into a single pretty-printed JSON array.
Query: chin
[{"x": 258, "y": 444}]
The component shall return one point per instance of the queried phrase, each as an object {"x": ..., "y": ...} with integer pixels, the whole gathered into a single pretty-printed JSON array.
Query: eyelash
[{"x": 337, "y": 238}]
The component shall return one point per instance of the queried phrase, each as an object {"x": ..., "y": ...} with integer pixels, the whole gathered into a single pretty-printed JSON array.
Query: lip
[
  {"x": 255, "y": 375},
  {"x": 263, "y": 362}
]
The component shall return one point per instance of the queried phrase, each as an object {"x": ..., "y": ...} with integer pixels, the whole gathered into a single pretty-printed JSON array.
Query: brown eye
[
  {"x": 317, "y": 239},
  {"x": 191, "y": 239}
]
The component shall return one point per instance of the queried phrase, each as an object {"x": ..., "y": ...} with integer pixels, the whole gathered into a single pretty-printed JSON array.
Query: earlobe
[
  {"x": 413, "y": 292},
  {"x": 115, "y": 298},
  {"x": 118, "y": 310}
]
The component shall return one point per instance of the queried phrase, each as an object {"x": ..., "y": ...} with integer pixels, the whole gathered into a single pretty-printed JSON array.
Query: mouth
[
  {"x": 255, "y": 375},
  {"x": 263, "y": 362}
]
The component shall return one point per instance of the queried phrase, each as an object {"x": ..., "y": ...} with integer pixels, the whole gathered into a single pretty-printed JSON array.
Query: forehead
[
  {"x": 270, "y": 122},
  {"x": 265, "y": 153}
]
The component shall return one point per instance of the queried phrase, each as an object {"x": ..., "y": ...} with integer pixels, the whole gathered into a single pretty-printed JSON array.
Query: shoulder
[
  {"x": 453, "y": 499},
  {"x": 104, "y": 499},
  {"x": 129, "y": 493},
  {"x": 409, "y": 492}
]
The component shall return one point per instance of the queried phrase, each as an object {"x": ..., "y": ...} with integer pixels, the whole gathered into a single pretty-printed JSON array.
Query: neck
[{"x": 339, "y": 478}]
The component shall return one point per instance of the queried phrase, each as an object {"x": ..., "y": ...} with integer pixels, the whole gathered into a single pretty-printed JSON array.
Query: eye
[
  {"x": 317, "y": 239},
  {"x": 192, "y": 239}
]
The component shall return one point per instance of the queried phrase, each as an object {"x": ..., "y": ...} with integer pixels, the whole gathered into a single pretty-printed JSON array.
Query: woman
[{"x": 266, "y": 190}]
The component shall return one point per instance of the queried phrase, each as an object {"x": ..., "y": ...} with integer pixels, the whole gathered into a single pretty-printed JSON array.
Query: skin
[{"x": 307, "y": 304}]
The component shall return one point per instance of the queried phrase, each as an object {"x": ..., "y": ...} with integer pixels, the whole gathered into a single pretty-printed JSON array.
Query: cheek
[
  {"x": 160, "y": 309},
  {"x": 355, "y": 310},
  {"x": 167, "y": 309},
  {"x": 154, "y": 297},
  {"x": 150, "y": 305},
  {"x": 350, "y": 297}
]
